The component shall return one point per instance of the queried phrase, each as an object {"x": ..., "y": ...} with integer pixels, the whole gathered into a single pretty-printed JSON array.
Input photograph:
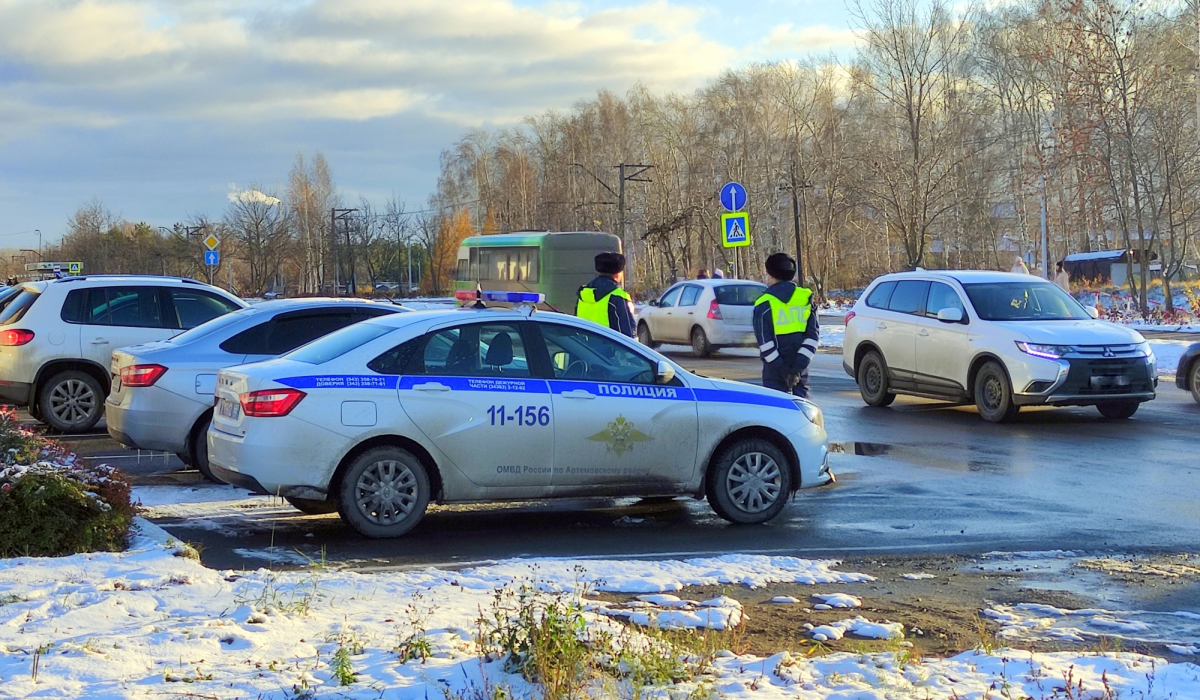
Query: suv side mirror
[
  {"x": 1092, "y": 311},
  {"x": 665, "y": 372},
  {"x": 950, "y": 314}
]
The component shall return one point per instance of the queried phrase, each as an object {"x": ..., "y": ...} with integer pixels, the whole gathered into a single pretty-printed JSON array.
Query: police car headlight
[{"x": 811, "y": 411}]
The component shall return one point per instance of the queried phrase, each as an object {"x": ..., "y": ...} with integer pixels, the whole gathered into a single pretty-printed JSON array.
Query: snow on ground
[
  {"x": 831, "y": 337},
  {"x": 830, "y": 601},
  {"x": 669, "y": 612},
  {"x": 1168, "y": 352},
  {"x": 151, "y": 622},
  {"x": 857, "y": 627},
  {"x": 1034, "y": 621},
  {"x": 917, "y": 577}
]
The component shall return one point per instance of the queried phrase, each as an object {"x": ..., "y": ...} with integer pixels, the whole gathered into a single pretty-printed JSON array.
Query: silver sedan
[{"x": 162, "y": 392}]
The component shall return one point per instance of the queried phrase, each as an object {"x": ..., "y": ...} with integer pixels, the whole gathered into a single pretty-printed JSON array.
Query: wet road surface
[{"x": 918, "y": 477}]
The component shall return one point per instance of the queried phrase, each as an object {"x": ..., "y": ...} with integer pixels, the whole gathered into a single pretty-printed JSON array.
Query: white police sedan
[{"x": 381, "y": 418}]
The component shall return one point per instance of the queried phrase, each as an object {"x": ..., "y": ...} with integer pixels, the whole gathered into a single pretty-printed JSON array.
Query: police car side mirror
[
  {"x": 1092, "y": 311},
  {"x": 665, "y": 372},
  {"x": 950, "y": 315}
]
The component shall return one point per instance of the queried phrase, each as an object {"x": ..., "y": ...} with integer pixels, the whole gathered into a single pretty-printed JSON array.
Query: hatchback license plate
[{"x": 229, "y": 409}]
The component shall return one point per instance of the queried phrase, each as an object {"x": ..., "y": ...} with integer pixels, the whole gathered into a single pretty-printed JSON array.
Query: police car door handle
[
  {"x": 881, "y": 326},
  {"x": 922, "y": 332},
  {"x": 430, "y": 386},
  {"x": 578, "y": 394}
]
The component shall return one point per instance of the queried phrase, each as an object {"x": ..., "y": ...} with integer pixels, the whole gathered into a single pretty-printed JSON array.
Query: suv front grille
[{"x": 1106, "y": 377}]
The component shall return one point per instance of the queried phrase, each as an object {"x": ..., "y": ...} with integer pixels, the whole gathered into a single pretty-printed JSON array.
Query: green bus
[{"x": 554, "y": 264}]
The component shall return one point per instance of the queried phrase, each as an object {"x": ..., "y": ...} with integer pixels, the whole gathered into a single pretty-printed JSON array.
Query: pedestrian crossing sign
[{"x": 735, "y": 229}]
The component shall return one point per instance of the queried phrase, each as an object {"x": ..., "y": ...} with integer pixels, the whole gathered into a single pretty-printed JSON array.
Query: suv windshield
[{"x": 1024, "y": 301}]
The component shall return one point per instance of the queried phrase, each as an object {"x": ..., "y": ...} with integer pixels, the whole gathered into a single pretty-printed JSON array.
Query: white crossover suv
[
  {"x": 997, "y": 339},
  {"x": 57, "y": 337},
  {"x": 706, "y": 314}
]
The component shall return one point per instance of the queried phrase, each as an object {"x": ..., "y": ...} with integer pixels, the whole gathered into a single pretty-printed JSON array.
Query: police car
[{"x": 382, "y": 418}]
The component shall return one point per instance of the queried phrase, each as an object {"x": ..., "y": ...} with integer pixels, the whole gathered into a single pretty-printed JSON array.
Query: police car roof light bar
[{"x": 479, "y": 296}]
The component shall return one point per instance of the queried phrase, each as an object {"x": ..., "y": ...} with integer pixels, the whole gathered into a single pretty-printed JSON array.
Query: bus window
[{"x": 513, "y": 264}]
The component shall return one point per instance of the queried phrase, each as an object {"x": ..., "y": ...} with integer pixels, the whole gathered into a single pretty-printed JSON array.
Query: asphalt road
[{"x": 918, "y": 477}]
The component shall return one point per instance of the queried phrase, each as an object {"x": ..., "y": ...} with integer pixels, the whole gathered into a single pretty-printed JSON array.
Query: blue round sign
[{"x": 733, "y": 196}]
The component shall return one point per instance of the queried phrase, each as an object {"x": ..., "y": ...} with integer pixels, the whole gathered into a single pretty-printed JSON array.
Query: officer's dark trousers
[{"x": 781, "y": 375}]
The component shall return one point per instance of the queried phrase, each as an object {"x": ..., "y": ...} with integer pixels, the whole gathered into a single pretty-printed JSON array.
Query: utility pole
[
  {"x": 627, "y": 172},
  {"x": 797, "y": 191},
  {"x": 1045, "y": 237},
  {"x": 343, "y": 215}
]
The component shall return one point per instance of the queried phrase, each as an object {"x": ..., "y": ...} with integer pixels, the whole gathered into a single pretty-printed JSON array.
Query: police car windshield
[
  {"x": 207, "y": 329},
  {"x": 338, "y": 343}
]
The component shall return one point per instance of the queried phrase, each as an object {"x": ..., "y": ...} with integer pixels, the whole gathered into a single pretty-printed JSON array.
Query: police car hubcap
[
  {"x": 754, "y": 482},
  {"x": 386, "y": 492}
]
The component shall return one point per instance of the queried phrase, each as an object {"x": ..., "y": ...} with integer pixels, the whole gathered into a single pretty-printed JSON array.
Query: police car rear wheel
[
  {"x": 310, "y": 506},
  {"x": 700, "y": 345},
  {"x": 750, "y": 482},
  {"x": 384, "y": 493}
]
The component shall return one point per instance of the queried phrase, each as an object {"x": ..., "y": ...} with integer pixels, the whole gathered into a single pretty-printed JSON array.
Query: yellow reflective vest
[
  {"x": 792, "y": 316},
  {"x": 596, "y": 310}
]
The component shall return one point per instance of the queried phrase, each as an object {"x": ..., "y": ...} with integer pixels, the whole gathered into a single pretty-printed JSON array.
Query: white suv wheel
[{"x": 72, "y": 401}]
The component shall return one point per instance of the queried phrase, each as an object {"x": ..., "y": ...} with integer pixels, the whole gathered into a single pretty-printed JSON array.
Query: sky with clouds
[{"x": 158, "y": 107}]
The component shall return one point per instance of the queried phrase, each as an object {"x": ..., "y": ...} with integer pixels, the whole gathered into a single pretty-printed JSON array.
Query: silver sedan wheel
[
  {"x": 386, "y": 492},
  {"x": 754, "y": 482},
  {"x": 73, "y": 402}
]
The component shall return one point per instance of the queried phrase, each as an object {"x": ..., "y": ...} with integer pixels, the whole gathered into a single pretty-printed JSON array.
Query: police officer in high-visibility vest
[
  {"x": 602, "y": 300},
  {"x": 786, "y": 328}
]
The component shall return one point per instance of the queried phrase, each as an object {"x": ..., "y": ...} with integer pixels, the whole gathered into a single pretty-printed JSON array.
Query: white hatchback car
[
  {"x": 393, "y": 413},
  {"x": 997, "y": 339},
  {"x": 706, "y": 314},
  {"x": 57, "y": 337}
]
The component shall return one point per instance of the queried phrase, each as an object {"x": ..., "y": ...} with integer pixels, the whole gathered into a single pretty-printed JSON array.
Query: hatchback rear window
[
  {"x": 339, "y": 343},
  {"x": 16, "y": 308},
  {"x": 739, "y": 294}
]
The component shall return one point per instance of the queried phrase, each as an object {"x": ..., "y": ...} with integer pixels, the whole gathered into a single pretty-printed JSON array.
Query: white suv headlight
[
  {"x": 1144, "y": 348},
  {"x": 812, "y": 412},
  {"x": 1049, "y": 352}
]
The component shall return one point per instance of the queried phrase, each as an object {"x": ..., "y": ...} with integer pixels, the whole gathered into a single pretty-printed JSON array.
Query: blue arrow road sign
[
  {"x": 733, "y": 196},
  {"x": 212, "y": 258},
  {"x": 735, "y": 229}
]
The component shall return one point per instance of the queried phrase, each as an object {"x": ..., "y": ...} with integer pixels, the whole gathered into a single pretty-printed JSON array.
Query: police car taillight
[
  {"x": 270, "y": 403},
  {"x": 141, "y": 375},
  {"x": 714, "y": 311},
  {"x": 16, "y": 337}
]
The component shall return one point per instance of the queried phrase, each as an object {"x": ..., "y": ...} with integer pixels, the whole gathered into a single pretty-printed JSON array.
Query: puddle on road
[
  {"x": 924, "y": 457},
  {"x": 1120, "y": 587}
]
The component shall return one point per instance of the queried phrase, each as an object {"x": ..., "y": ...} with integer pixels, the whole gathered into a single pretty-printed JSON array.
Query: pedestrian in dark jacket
[
  {"x": 602, "y": 300},
  {"x": 785, "y": 326}
]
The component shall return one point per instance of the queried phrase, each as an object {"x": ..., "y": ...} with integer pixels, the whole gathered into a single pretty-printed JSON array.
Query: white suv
[
  {"x": 996, "y": 339},
  {"x": 57, "y": 337}
]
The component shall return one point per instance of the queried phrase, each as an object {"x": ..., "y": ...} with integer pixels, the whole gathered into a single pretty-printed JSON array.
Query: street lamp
[{"x": 39, "y": 234}]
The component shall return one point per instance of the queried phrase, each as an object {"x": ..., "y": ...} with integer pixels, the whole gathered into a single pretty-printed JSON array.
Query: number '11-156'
[{"x": 521, "y": 415}]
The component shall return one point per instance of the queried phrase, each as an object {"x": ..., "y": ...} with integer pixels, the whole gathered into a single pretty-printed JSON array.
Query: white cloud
[
  {"x": 253, "y": 196},
  {"x": 786, "y": 38},
  {"x": 79, "y": 32}
]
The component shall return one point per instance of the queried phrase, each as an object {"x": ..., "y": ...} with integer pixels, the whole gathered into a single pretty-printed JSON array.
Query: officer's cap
[
  {"x": 610, "y": 263},
  {"x": 781, "y": 267}
]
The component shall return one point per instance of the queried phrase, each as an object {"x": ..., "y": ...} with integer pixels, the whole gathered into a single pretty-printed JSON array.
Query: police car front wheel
[
  {"x": 749, "y": 482},
  {"x": 384, "y": 492}
]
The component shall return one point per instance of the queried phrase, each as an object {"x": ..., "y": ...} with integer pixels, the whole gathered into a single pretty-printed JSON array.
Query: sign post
[
  {"x": 212, "y": 258},
  {"x": 735, "y": 223}
]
